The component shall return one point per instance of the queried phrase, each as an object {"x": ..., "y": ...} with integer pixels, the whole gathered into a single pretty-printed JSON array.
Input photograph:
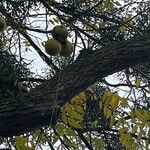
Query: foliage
[
  {"x": 107, "y": 115},
  {"x": 10, "y": 71}
]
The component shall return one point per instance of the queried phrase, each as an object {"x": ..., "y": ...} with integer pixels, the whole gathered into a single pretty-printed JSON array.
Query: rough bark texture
[{"x": 41, "y": 106}]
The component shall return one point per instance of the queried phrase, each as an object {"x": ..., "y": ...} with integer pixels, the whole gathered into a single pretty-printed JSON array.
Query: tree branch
[{"x": 41, "y": 106}]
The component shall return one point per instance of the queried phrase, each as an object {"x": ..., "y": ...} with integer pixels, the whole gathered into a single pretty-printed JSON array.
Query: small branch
[
  {"x": 84, "y": 139},
  {"x": 142, "y": 73},
  {"x": 122, "y": 84}
]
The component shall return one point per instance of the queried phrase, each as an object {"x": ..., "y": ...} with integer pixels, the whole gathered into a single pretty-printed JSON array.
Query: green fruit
[
  {"x": 2, "y": 24},
  {"x": 60, "y": 33},
  {"x": 52, "y": 47},
  {"x": 67, "y": 49}
]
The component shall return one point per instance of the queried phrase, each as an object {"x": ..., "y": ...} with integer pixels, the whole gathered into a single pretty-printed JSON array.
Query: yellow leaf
[
  {"x": 60, "y": 129},
  {"x": 68, "y": 108},
  {"x": 110, "y": 99},
  {"x": 70, "y": 132},
  {"x": 107, "y": 112},
  {"x": 90, "y": 27},
  {"x": 78, "y": 100},
  {"x": 82, "y": 96},
  {"x": 133, "y": 114},
  {"x": 74, "y": 123},
  {"x": 105, "y": 98},
  {"x": 142, "y": 115},
  {"x": 79, "y": 109},
  {"x": 67, "y": 142},
  {"x": 137, "y": 83},
  {"x": 122, "y": 120},
  {"x": 20, "y": 141},
  {"x": 124, "y": 102},
  {"x": 64, "y": 118},
  {"x": 123, "y": 130},
  {"x": 114, "y": 101},
  {"x": 76, "y": 116},
  {"x": 112, "y": 120}
]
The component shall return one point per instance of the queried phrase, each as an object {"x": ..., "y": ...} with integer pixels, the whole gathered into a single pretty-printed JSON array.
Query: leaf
[
  {"x": 137, "y": 83},
  {"x": 133, "y": 114},
  {"x": 76, "y": 116},
  {"x": 117, "y": 3},
  {"x": 20, "y": 141},
  {"x": 102, "y": 24},
  {"x": 79, "y": 109},
  {"x": 110, "y": 99},
  {"x": 107, "y": 112},
  {"x": 105, "y": 98},
  {"x": 142, "y": 115},
  {"x": 100, "y": 105},
  {"x": 99, "y": 143},
  {"x": 40, "y": 136},
  {"x": 74, "y": 123},
  {"x": 60, "y": 129},
  {"x": 114, "y": 101},
  {"x": 70, "y": 132},
  {"x": 79, "y": 99},
  {"x": 122, "y": 29},
  {"x": 123, "y": 130},
  {"x": 134, "y": 129},
  {"x": 90, "y": 26},
  {"x": 64, "y": 118},
  {"x": 55, "y": 138},
  {"x": 94, "y": 123},
  {"x": 82, "y": 96},
  {"x": 140, "y": 134},
  {"x": 128, "y": 20},
  {"x": 68, "y": 142},
  {"x": 112, "y": 120},
  {"x": 127, "y": 140},
  {"x": 68, "y": 108},
  {"x": 124, "y": 102}
]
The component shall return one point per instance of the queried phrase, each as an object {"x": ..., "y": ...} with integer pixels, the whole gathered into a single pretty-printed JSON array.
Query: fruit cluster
[{"x": 59, "y": 44}]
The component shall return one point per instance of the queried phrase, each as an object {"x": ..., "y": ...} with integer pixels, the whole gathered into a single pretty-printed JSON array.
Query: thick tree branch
[{"x": 41, "y": 106}]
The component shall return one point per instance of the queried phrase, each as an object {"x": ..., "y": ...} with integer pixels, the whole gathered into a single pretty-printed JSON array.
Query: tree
[{"x": 75, "y": 104}]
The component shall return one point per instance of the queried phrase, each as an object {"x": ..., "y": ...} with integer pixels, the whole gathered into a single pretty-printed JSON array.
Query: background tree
[{"x": 75, "y": 103}]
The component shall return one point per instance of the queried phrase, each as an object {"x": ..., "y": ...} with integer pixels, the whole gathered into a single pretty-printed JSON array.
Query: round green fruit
[
  {"x": 52, "y": 47},
  {"x": 67, "y": 49},
  {"x": 2, "y": 24},
  {"x": 60, "y": 33}
]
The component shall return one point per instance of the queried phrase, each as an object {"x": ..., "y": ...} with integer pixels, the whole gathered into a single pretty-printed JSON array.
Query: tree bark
[{"x": 40, "y": 107}]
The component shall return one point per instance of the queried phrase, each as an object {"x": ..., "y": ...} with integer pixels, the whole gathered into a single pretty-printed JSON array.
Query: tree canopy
[{"x": 94, "y": 95}]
